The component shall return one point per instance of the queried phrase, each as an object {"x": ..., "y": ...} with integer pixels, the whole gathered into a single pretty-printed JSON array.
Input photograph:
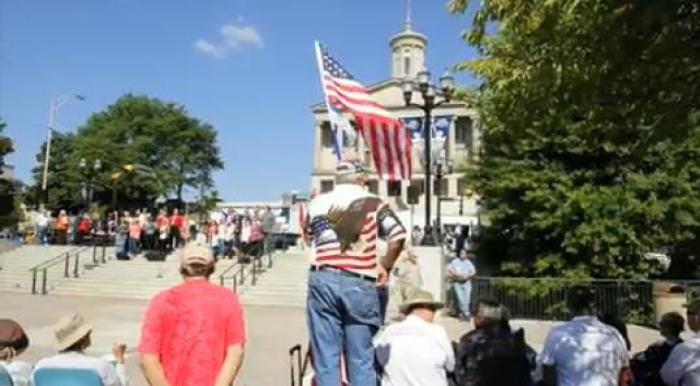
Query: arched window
[{"x": 407, "y": 66}]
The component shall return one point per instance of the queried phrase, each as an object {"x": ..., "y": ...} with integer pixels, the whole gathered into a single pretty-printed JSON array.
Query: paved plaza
[{"x": 271, "y": 331}]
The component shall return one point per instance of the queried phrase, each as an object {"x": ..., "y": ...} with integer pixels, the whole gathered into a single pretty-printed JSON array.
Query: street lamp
[
  {"x": 427, "y": 91},
  {"x": 88, "y": 175},
  {"x": 438, "y": 188},
  {"x": 54, "y": 107}
]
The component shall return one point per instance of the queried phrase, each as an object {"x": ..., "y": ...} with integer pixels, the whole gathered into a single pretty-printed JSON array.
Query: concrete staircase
[
  {"x": 15, "y": 264},
  {"x": 283, "y": 285},
  {"x": 134, "y": 279}
]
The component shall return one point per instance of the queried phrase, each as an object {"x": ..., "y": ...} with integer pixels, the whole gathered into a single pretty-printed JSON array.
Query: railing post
[
  {"x": 242, "y": 271},
  {"x": 43, "y": 283},
  {"x": 94, "y": 252},
  {"x": 235, "y": 284},
  {"x": 255, "y": 268},
  {"x": 104, "y": 252},
  {"x": 221, "y": 280},
  {"x": 67, "y": 266},
  {"x": 75, "y": 265},
  {"x": 34, "y": 281}
]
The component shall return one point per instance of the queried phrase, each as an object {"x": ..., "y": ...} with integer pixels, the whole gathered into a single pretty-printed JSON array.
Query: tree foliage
[
  {"x": 591, "y": 133},
  {"x": 176, "y": 149},
  {"x": 10, "y": 208}
]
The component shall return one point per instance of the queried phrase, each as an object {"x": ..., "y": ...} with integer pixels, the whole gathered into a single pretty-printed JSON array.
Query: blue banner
[{"x": 440, "y": 127}]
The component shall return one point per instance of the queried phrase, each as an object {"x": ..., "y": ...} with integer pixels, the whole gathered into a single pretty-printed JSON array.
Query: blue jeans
[
  {"x": 133, "y": 246},
  {"x": 42, "y": 235},
  {"x": 342, "y": 312},
  {"x": 463, "y": 293}
]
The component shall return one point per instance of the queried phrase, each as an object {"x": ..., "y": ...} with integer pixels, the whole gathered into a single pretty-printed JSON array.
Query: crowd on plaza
[
  {"x": 361, "y": 333},
  {"x": 135, "y": 232}
]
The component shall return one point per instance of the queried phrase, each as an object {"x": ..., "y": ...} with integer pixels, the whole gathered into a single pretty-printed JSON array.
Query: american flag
[{"x": 387, "y": 138}]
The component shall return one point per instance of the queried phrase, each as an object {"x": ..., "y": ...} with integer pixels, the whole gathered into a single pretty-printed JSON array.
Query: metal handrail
[
  {"x": 239, "y": 270},
  {"x": 64, "y": 258},
  {"x": 57, "y": 257}
]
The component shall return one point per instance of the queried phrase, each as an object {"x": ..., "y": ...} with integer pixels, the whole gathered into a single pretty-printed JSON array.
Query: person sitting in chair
[{"x": 73, "y": 338}]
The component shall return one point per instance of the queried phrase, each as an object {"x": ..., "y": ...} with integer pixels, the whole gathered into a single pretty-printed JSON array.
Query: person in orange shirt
[{"x": 62, "y": 228}]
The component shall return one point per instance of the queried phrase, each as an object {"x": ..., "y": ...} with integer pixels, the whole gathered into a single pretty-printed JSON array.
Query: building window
[
  {"x": 373, "y": 186},
  {"x": 326, "y": 186},
  {"x": 463, "y": 131},
  {"x": 393, "y": 188},
  {"x": 442, "y": 189},
  {"x": 407, "y": 66},
  {"x": 326, "y": 134},
  {"x": 462, "y": 187},
  {"x": 418, "y": 184}
]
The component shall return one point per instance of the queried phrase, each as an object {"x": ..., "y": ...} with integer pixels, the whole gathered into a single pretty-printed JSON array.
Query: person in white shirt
[
  {"x": 13, "y": 342},
  {"x": 73, "y": 337},
  {"x": 583, "y": 351},
  {"x": 416, "y": 351},
  {"x": 42, "y": 227},
  {"x": 683, "y": 365},
  {"x": 460, "y": 272}
]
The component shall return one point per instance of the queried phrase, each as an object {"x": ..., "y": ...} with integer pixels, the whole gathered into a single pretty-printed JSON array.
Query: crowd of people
[{"x": 134, "y": 232}]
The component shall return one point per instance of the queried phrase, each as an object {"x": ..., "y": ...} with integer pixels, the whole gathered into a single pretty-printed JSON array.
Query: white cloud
[{"x": 233, "y": 37}]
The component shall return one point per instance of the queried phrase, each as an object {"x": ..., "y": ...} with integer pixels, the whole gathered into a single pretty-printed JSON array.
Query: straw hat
[
  {"x": 196, "y": 253},
  {"x": 70, "y": 329},
  {"x": 423, "y": 298}
]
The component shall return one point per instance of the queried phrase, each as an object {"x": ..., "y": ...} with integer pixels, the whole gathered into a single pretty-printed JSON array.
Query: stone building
[{"x": 407, "y": 53}]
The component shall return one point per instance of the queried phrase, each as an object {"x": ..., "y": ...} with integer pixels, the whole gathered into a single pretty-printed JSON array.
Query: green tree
[
  {"x": 591, "y": 133},
  {"x": 176, "y": 149},
  {"x": 63, "y": 178},
  {"x": 9, "y": 203}
]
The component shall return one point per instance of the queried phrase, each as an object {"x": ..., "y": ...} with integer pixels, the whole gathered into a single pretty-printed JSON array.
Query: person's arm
[
  {"x": 446, "y": 346},
  {"x": 231, "y": 366},
  {"x": 149, "y": 345},
  {"x": 674, "y": 368},
  {"x": 547, "y": 359},
  {"x": 549, "y": 375},
  {"x": 393, "y": 231},
  {"x": 153, "y": 371}
]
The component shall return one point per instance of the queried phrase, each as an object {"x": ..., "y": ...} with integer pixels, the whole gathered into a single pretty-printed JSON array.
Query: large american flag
[{"x": 387, "y": 138}]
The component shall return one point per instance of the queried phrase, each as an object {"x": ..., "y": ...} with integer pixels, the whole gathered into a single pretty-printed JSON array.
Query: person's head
[
  {"x": 671, "y": 325},
  {"x": 465, "y": 254},
  {"x": 13, "y": 340},
  {"x": 196, "y": 261},
  {"x": 72, "y": 333},
  {"x": 693, "y": 314},
  {"x": 176, "y": 211},
  {"x": 421, "y": 304},
  {"x": 489, "y": 312},
  {"x": 579, "y": 300},
  {"x": 62, "y": 212},
  {"x": 350, "y": 172}
]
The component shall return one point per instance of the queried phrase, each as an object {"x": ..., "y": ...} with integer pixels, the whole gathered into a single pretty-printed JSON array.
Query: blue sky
[{"x": 245, "y": 66}]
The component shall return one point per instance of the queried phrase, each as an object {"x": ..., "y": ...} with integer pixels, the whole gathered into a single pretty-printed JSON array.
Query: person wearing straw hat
[
  {"x": 73, "y": 337},
  {"x": 13, "y": 342},
  {"x": 683, "y": 365},
  {"x": 416, "y": 351}
]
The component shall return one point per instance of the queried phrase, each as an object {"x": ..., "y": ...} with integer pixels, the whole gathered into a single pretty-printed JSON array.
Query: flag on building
[{"x": 386, "y": 137}]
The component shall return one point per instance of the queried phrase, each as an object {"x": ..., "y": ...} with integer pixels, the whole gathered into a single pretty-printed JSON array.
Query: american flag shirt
[{"x": 361, "y": 256}]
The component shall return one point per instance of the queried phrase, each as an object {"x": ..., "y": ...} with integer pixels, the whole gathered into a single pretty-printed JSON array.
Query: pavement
[{"x": 271, "y": 332}]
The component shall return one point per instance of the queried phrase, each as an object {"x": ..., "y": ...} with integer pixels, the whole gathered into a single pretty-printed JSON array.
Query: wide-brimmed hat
[
  {"x": 350, "y": 167},
  {"x": 420, "y": 298},
  {"x": 70, "y": 329}
]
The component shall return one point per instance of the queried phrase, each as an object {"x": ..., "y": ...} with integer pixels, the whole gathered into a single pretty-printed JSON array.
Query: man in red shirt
[
  {"x": 177, "y": 222},
  {"x": 193, "y": 334}
]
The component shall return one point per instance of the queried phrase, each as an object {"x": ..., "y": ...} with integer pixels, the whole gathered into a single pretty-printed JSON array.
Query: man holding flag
[{"x": 343, "y": 311}]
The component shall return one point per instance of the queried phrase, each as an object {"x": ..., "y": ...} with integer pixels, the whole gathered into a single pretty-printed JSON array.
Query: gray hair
[{"x": 491, "y": 310}]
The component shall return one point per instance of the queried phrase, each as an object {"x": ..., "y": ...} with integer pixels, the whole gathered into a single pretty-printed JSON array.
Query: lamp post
[
  {"x": 428, "y": 93},
  {"x": 54, "y": 107},
  {"x": 438, "y": 190},
  {"x": 88, "y": 175}
]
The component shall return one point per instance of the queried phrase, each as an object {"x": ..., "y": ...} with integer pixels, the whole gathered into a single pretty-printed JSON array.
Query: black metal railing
[
  {"x": 250, "y": 264},
  {"x": 545, "y": 298},
  {"x": 62, "y": 258}
]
